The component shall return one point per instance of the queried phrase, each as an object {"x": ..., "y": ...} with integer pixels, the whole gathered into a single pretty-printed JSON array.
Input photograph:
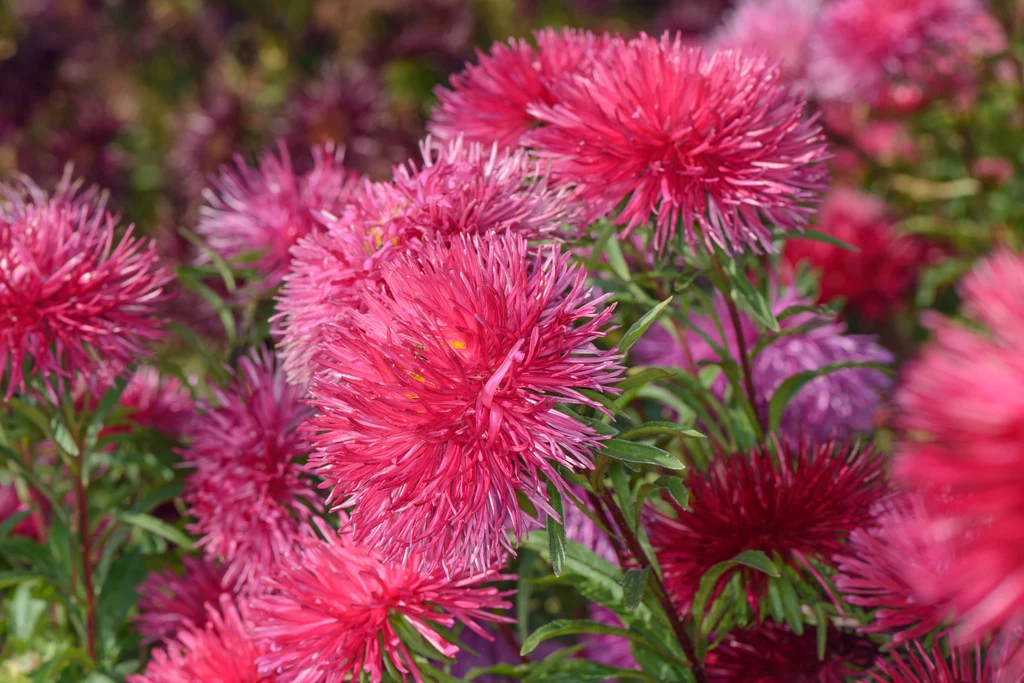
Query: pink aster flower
[
  {"x": 488, "y": 101},
  {"x": 437, "y": 405},
  {"x": 327, "y": 612},
  {"x": 220, "y": 652},
  {"x": 993, "y": 294},
  {"x": 254, "y": 216},
  {"x": 170, "y": 601},
  {"x": 717, "y": 141},
  {"x": 460, "y": 188},
  {"x": 778, "y": 29},
  {"x": 877, "y": 566},
  {"x": 915, "y": 663},
  {"x": 248, "y": 494},
  {"x": 772, "y": 653},
  {"x": 74, "y": 299},
  {"x": 161, "y": 403},
  {"x": 800, "y": 508},
  {"x": 862, "y": 46}
]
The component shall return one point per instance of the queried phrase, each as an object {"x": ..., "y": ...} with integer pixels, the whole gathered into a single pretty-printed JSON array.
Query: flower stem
[
  {"x": 85, "y": 537},
  {"x": 633, "y": 544}
]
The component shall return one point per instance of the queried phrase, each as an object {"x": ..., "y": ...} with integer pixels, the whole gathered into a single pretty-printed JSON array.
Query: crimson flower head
[
  {"x": 247, "y": 493},
  {"x": 488, "y": 101},
  {"x": 256, "y": 215},
  {"x": 220, "y": 652},
  {"x": 75, "y": 300},
  {"x": 718, "y": 141},
  {"x": 170, "y": 601},
  {"x": 797, "y": 507},
  {"x": 437, "y": 405},
  {"x": 862, "y": 46},
  {"x": 772, "y": 653},
  {"x": 876, "y": 280},
  {"x": 329, "y": 610},
  {"x": 878, "y": 569}
]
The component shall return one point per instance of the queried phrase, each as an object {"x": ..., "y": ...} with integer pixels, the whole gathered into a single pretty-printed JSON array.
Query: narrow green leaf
[
  {"x": 674, "y": 485},
  {"x": 755, "y": 559},
  {"x": 637, "y": 329},
  {"x": 556, "y": 531},
  {"x": 819, "y": 613},
  {"x": 817, "y": 236},
  {"x": 748, "y": 297},
  {"x": 643, "y": 377},
  {"x": 658, "y": 427},
  {"x": 156, "y": 526},
  {"x": 638, "y": 453},
  {"x": 621, "y": 485},
  {"x": 634, "y": 583},
  {"x": 16, "y": 576},
  {"x": 103, "y": 410},
  {"x": 117, "y": 596},
  {"x": 585, "y": 671},
  {"x": 616, "y": 260},
  {"x": 602, "y": 428},
  {"x": 791, "y": 606},
  {"x": 793, "y": 384}
]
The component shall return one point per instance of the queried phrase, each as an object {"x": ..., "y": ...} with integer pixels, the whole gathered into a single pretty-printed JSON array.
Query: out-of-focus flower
[
  {"x": 160, "y": 403},
  {"x": 10, "y": 505},
  {"x": 799, "y": 508},
  {"x": 993, "y": 293},
  {"x": 220, "y": 652},
  {"x": 207, "y": 138},
  {"x": 876, "y": 280},
  {"x": 772, "y": 653},
  {"x": 915, "y": 663},
  {"x": 327, "y": 611},
  {"x": 170, "y": 601},
  {"x": 862, "y": 46},
  {"x": 580, "y": 528},
  {"x": 778, "y": 29},
  {"x": 962, "y": 411},
  {"x": 716, "y": 141},
  {"x": 694, "y": 19},
  {"x": 607, "y": 649},
  {"x": 876, "y": 570},
  {"x": 257, "y": 215},
  {"x": 247, "y": 492},
  {"x": 436, "y": 406},
  {"x": 887, "y": 142},
  {"x": 488, "y": 101},
  {"x": 459, "y": 189},
  {"x": 996, "y": 171},
  {"x": 74, "y": 299}
]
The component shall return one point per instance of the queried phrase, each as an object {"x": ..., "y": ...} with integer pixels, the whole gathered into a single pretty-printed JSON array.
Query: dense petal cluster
[
  {"x": 169, "y": 601},
  {"x": 488, "y": 101},
  {"x": 74, "y": 298},
  {"x": 220, "y": 652},
  {"x": 962, "y": 411},
  {"x": 878, "y": 567},
  {"x": 248, "y": 493},
  {"x": 875, "y": 280},
  {"x": 161, "y": 403},
  {"x": 255, "y": 215},
  {"x": 799, "y": 507},
  {"x": 327, "y": 611},
  {"x": 437, "y": 405},
  {"x": 717, "y": 141},
  {"x": 852, "y": 57},
  {"x": 460, "y": 188},
  {"x": 772, "y": 653}
]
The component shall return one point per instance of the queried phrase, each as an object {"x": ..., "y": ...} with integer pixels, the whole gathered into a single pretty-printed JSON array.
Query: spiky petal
[
  {"x": 716, "y": 141},
  {"x": 170, "y": 601},
  {"x": 799, "y": 506},
  {"x": 916, "y": 663},
  {"x": 326, "y": 612},
  {"x": 437, "y": 405}
]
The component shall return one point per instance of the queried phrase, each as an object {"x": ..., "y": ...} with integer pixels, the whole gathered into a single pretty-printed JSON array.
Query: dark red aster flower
[
  {"x": 75, "y": 300},
  {"x": 772, "y": 653},
  {"x": 488, "y": 101},
  {"x": 437, "y": 405},
  {"x": 717, "y": 141},
  {"x": 876, "y": 280},
  {"x": 170, "y": 601},
  {"x": 798, "y": 506}
]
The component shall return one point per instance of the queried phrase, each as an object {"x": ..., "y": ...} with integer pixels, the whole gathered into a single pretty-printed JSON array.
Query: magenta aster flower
[
  {"x": 778, "y": 29},
  {"x": 862, "y": 46},
  {"x": 247, "y": 492},
  {"x": 74, "y": 299},
  {"x": 170, "y": 601},
  {"x": 206, "y": 137},
  {"x": 327, "y": 611},
  {"x": 876, "y": 567},
  {"x": 220, "y": 652},
  {"x": 488, "y": 101},
  {"x": 772, "y": 653},
  {"x": 993, "y": 294},
  {"x": 256, "y": 215},
  {"x": 800, "y": 508},
  {"x": 161, "y": 403},
  {"x": 915, "y": 663},
  {"x": 437, "y": 405},
  {"x": 715, "y": 141}
]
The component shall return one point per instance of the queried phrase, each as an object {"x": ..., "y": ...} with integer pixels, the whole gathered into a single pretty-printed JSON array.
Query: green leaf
[
  {"x": 637, "y": 329},
  {"x": 748, "y": 296},
  {"x": 659, "y": 427},
  {"x": 642, "y": 377},
  {"x": 156, "y": 526},
  {"x": 616, "y": 260},
  {"x": 103, "y": 410},
  {"x": 817, "y": 236},
  {"x": 12, "y": 521},
  {"x": 674, "y": 485},
  {"x": 621, "y": 485},
  {"x": 570, "y": 627},
  {"x": 793, "y": 384},
  {"x": 634, "y": 584},
  {"x": 556, "y": 531},
  {"x": 16, "y": 576},
  {"x": 23, "y": 612},
  {"x": 586, "y": 671},
  {"x": 117, "y": 596},
  {"x": 596, "y": 424},
  {"x": 641, "y": 454},
  {"x": 709, "y": 581},
  {"x": 755, "y": 559},
  {"x": 819, "y": 613},
  {"x": 791, "y": 606}
]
